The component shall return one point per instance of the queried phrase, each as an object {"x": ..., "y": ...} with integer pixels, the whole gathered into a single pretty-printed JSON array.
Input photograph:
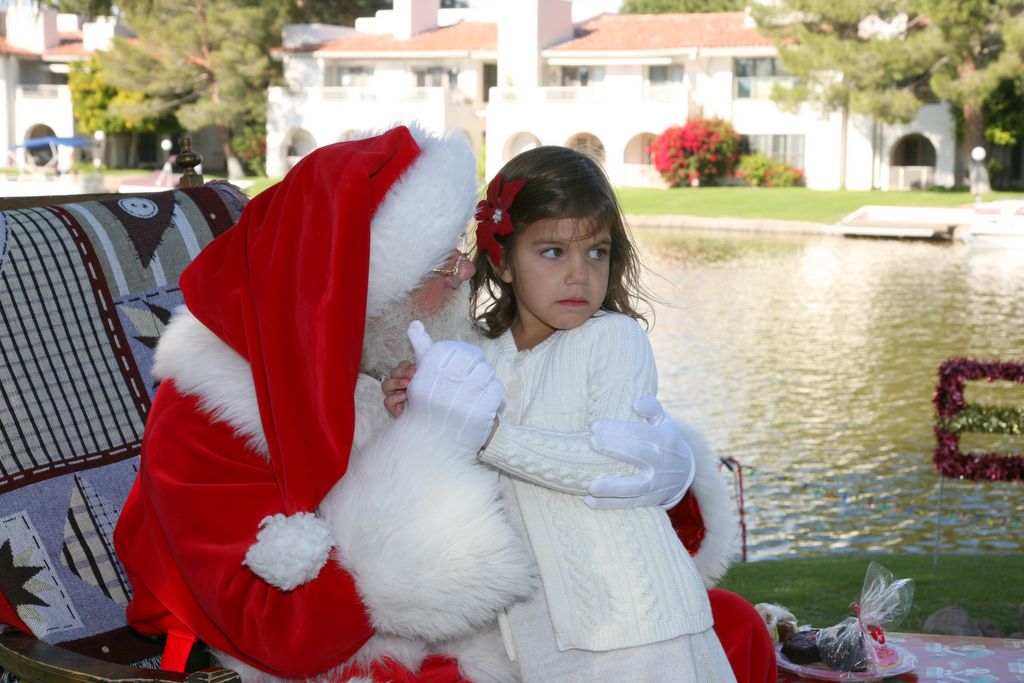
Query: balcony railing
[
  {"x": 338, "y": 94},
  {"x": 665, "y": 93},
  {"x": 590, "y": 94},
  {"x": 44, "y": 91},
  {"x": 368, "y": 95},
  {"x": 760, "y": 87},
  {"x": 911, "y": 177}
]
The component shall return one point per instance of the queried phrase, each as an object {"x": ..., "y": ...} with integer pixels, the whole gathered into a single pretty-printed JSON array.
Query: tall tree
[
  {"x": 342, "y": 12},
  {"x": 207, "y": 61},
  {"x": 84, "y": 8},
  {"x": 292, "y": 11},
  {"x": 983, "y": 42},
  {"x": 855, "y": 57},
  {"x": 679, "y": 6},
  {"x": 96, "y": 104}
]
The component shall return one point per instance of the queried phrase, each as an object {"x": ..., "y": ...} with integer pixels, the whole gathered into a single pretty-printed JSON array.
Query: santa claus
[{"x": 282, "y": 517}]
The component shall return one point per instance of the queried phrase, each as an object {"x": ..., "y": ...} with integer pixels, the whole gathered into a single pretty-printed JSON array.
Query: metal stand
[
  {"x": 938, "y": 524},
  {"x": 734, "y": 466}
]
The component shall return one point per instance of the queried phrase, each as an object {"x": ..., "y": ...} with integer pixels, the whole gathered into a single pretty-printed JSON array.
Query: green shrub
[
  {"x": 761, "y": 171},
  {"x": 250, "y": 146}
]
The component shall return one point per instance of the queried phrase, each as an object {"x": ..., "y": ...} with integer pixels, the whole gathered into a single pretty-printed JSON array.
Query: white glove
[
  {"x": 656, "y": 447},
  {"x": 454, "y": 389}
]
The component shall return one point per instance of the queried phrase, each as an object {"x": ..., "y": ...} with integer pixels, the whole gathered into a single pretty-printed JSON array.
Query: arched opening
[
  {"x": 636, "y": 158},
  {"x": 298, "y": 144},
  {"x": 519, "y": 143},
  {"x": 349, "y": 134},
  {"x": 588, "y": 144},
  {"x": 40, "y": 156},
  {"x": 912, "y": 165}
]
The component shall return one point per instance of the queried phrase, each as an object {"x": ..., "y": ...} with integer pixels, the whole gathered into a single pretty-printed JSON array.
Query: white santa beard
[{"x": 385, "y": 339}]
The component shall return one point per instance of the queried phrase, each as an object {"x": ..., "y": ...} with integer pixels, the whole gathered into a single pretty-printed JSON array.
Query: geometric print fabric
[
  {"x": 75, "y": 346},
  {"x": 89, "y": 543},
  {"x": 56, "y": 357},
  {"x": 83, "y": 300},
  {"x": 36, "y": 590}
]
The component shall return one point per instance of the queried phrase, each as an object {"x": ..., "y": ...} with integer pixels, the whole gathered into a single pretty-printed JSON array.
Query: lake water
[{"x": 813, "y": 360}]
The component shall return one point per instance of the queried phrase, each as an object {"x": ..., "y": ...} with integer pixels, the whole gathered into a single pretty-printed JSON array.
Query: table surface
[{"x": 953, "y": 659}]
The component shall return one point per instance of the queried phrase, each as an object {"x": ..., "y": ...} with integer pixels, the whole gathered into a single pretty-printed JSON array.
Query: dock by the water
[
  {"x": 905, "y": 222},
  {"x": 890, "y": 222}
]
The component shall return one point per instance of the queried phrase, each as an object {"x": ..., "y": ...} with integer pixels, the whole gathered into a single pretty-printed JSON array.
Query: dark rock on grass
[{"x": 951, "y": 621}]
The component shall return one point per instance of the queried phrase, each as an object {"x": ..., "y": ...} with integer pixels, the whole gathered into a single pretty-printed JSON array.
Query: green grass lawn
[
  {"x": 784, "y": 203},
  {"x": 794, "y": 203},
  {"x": 259, "y": 183},
  {"x": 789, "y": 203},
  {"x": 82, "y": 169},
  {"x": 819, "y": 590}
]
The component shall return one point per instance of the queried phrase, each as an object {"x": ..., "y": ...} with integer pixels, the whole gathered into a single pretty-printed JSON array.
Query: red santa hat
[{"x": 351, "y": 228}]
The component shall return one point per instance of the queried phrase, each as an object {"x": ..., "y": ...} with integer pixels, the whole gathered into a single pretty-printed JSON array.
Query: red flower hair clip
[{"x": 492, "y": 216}]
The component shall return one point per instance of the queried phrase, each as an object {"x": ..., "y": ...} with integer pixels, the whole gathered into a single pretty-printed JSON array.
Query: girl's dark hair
[{"x": 561, "y": 182}]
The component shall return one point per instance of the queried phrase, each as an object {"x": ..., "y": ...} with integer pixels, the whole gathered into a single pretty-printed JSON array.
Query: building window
[
  {"x": 490, "y": 80},
  {"x": 757, "y": 76},
  {"x": 348, "y": 76},
  {"x": 582, "y": 76},
  {"x": 665, "y": 75},
  {"x": 787, "y": 148},
  {"x": 437, "y": 77}
]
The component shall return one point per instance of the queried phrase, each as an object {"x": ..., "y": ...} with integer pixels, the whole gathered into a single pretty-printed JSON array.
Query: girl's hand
[{"x": 395, "y": 385}]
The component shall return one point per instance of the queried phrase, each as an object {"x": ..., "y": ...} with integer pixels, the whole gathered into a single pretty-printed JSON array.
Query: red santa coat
[
  {"x": 257, "y": 417},
  {"x": 184, "y": 531}
]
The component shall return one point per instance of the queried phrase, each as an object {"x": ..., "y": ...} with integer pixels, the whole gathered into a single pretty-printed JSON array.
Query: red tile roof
[
  {"x": 70, "y": 45},
  {"x": 465, "y": 35},
  {"x": 662, "y": 32},
  {"x": 611, "y": 32},
  {"x": 68, "y": 48},
  {"x": 6, "y": 48}
]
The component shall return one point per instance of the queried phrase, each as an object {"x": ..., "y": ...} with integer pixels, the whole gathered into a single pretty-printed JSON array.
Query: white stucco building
[
  {"x": 35, "y": 49},
  {"x": 37, "y": 46},
  {"x": 510, "y": 80}
]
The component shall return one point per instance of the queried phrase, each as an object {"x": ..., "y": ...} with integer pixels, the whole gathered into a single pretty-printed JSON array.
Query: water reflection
[{"x": 813, "y": 361}]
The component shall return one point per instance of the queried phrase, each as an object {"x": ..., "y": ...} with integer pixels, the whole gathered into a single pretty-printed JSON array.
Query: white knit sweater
[{"x": 612, "y": 578}]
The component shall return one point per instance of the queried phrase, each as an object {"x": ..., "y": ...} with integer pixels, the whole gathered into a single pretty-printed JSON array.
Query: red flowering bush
[{"x": 703, "y": 150}]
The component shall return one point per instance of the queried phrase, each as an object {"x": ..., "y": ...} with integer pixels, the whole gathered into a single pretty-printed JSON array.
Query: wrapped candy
[{"x": 858, "y": 642}]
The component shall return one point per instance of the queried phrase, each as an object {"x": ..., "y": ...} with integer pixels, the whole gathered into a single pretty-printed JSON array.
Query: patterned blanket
[{"x": 85, "y": 291}]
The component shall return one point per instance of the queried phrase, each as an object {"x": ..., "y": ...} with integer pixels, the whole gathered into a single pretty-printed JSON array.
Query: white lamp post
[
  {"x": 165, "y": 172},
  {"x": 977, "y": 156},
  {"x": 97, "y": 161}
]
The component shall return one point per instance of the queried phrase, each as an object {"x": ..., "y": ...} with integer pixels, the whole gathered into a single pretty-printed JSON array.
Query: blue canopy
[{"x": 35, "y": 143}]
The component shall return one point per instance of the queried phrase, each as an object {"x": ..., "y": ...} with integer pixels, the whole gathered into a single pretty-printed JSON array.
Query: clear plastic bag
[{"x": 858, "y": 642}]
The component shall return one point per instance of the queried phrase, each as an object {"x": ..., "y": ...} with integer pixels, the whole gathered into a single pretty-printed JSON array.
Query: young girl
[{"x": 621, "y": 598}]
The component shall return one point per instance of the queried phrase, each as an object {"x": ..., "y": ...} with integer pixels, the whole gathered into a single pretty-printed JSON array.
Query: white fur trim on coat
[
  {"x": 421, "y": 527},
  {"x": 250, "y": 674},
  {"x": 482, "y": 657},
  {"x": 201, "y": 364},
  {"x": 421, "y": 218},
  {"x": 716, "y": 507},
  {"x": 289, "y": 550}
]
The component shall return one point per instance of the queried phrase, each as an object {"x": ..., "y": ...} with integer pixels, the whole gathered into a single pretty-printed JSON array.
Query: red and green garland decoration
[{"x": 957, "y": 416}]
